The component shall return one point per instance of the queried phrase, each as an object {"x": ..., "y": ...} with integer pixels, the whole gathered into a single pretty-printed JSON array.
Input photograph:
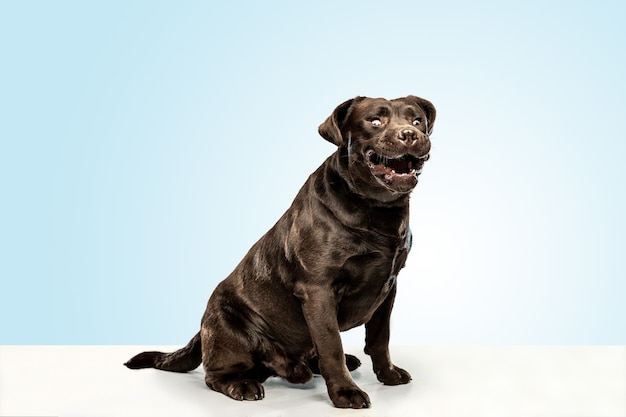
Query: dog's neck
[{"x": 387, "y": 216}]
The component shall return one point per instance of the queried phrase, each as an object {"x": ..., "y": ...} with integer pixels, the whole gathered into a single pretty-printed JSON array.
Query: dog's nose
[{"x": 407, "y": 135}]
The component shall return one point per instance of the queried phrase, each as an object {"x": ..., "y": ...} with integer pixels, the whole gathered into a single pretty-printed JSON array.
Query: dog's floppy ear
[
  {"x": 428, "y": 108},
  {"x": 331, "y": 128}
]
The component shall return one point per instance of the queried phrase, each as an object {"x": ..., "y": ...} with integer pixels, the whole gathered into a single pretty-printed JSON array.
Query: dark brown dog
[{"x": 329, "y": 264}]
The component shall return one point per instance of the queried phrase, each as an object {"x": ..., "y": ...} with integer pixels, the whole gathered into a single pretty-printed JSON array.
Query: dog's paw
[
  {"x": 394, "y": 376},
  {"x": 247, "y": 389},
  {"x": 351, "y": 397},
  {"x": 299, "y": 374},
  {"x": 352, "y": 362}
]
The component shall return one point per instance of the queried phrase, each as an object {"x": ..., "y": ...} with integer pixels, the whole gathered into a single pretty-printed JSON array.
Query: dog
[{"x": 329, "y": 264}]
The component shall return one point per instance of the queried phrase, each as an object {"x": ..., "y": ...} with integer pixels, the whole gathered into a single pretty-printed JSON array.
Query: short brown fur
[{"x": 329, "y": 264}]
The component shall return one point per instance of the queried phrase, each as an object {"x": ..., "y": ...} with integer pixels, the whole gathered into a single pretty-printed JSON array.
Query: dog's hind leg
[{"x": 230, "y": 366}]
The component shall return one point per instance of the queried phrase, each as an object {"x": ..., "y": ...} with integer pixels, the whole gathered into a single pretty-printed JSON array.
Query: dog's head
[{"x": 384, "y": 143}]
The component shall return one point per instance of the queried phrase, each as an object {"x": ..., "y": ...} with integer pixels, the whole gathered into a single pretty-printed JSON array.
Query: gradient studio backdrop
[{"x": 145, "y": 146}]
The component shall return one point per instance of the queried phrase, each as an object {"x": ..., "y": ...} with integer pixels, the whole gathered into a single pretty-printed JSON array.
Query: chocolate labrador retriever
[{"x": 329, "y": 264}]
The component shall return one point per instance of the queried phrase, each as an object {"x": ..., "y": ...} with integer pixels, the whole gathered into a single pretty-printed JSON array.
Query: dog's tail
[{"x": 183, "y": 360}]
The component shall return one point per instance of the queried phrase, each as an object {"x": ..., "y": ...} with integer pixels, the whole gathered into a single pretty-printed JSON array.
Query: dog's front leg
[
  {"x": 377, "y": 344},
  {"x": 319, "y": 307}
]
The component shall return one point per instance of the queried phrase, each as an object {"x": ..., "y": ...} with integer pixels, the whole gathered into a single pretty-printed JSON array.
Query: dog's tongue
[
  {"x": 381, "y": 165},
  {"x": 381, "y": 169}
]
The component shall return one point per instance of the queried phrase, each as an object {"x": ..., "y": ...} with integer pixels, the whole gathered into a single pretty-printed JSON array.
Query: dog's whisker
[{"x": 349, "y": 144}]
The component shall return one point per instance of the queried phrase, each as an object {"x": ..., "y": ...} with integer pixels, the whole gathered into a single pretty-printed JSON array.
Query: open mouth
[{"x": 391, "y": 168}]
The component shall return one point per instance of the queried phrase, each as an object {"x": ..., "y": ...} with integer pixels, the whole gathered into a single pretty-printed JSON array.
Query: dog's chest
[
  {"x": 367, "y": 279},
  {"x": 381, "y": 258}
]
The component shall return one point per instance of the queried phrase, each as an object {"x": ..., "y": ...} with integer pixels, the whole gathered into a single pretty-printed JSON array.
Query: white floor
[{"x": 447, "y": 381}]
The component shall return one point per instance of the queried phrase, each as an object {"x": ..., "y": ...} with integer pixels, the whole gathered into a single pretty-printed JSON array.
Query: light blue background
[{"x": 145, "y": 146}]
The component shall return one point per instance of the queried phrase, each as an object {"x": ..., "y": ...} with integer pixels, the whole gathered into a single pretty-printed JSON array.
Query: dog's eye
[
  {"x": 376, "y": 122},
  {"x": 417, "y": 121}
]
